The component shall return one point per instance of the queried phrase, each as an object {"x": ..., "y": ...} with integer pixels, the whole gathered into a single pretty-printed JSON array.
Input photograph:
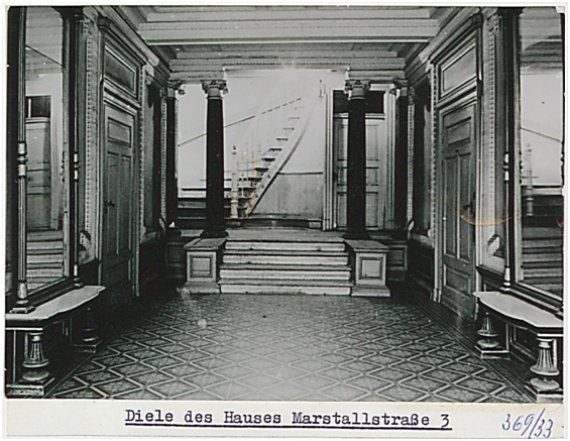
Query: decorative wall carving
[{"x": 92, "y": 157}]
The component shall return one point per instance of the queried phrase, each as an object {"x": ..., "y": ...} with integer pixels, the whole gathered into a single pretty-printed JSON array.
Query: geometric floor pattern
[{"x": 282, "y": 347}]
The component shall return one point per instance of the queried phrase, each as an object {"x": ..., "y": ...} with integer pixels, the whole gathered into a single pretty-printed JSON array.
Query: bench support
[
  {"x": 36, "y": 377},
  {"x": 489, "y": 346},
  {"x": 27, "y": 330},
  {"x": 544, "y": 387},
  {"x": 518, "y": 314}
]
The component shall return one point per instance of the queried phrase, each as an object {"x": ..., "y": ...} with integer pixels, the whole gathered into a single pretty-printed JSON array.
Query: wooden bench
[
  {"x": 515, "y": 313},
  {"x": 37, "y": 377}
]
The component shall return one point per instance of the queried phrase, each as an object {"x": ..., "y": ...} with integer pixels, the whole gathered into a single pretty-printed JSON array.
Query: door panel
[
  {"x": 376, "y": 162},
  {"x": 458, "y": 141},
  {"x": 118, "y": 195}
]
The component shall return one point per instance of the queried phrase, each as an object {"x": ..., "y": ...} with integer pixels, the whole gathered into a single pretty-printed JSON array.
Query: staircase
[
  {"x": 44, "y": 258},
  {"x": 264, "y": 154},
  {"x": 542, "y": 258},
  {"x": 287, "y": 266}
]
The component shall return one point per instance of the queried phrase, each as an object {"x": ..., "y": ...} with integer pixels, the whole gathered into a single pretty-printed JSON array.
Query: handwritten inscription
[{"x": 530, "y": 425}]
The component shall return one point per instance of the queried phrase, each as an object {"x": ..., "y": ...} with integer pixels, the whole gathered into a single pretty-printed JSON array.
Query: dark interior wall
[
  {"x": 152, "y": 156},
  {"x": 401, "y": 163},
  {"x": 421, "y": 264},
  {"x": 420, "y": 251},
  {"x": 14, "y": 14},
  {"x": 422, "y": 160}
]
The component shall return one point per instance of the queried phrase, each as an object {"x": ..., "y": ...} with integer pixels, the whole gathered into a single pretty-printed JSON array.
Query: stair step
[
  {"x": 45, "y": 272},
  {"x": 44, "y": 260},
  {"x": 275, "y": 148},
  {"x": 302, "y": 246},
  {"x": 540, "y": 233},
  {"x": 541, "y": 244},
  {"x": 543, "y": 272},
  {"x": 268, "y": 158},
  {"x": 276, "y": 258},
  {"x": 261, "y": 168},
  {"x": 284, "y": 286},
  {"x": 53, "y": 250},
  {"x": 549, "y": 260},
  {"x": 271, "y": 273}
]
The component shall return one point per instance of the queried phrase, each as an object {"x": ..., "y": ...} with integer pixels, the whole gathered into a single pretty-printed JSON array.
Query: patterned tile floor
[{"x": 267, "y": 347}]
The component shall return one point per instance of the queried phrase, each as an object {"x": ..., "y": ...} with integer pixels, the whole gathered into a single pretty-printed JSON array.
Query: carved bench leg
[
  {"x": 86, "y": 337},
  {"x": 489, "y": 346},
  {"x": 544, "y": 387},
  {"x": 36, "y": 376},
  {"x": 35, "y": 361}
]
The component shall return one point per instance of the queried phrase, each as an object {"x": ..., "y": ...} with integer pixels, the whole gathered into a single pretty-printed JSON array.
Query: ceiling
[{"x": 202, "y": 42}]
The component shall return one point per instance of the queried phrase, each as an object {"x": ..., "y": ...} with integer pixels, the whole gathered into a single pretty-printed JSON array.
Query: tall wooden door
[
  {"x": 458, "y": 230},
  {"x": 376, "y": 162},
  {"x": 118, "y": 200}
]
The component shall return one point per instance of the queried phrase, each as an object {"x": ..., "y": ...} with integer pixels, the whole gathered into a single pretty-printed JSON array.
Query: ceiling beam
[
  {"x": 287, "y": 31},
  {"x": 194, "y": 77},
  {"x": 273, "y": 52},
  {"x": 385, "y": 64},
  {"x": 181, "y": 14}
]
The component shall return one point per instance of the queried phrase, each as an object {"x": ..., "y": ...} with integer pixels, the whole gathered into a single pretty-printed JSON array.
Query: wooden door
[
  {"x": 376, "y": 163},
  {"x": 118, "y": 200},
  {"x": 458, "y": 171}
]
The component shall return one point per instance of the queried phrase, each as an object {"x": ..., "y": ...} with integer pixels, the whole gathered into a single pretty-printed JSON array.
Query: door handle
[{"x": 109, "y": 204}]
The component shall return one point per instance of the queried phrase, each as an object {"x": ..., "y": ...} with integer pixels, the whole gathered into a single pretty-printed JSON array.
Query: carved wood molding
[
  {"x": 163, "y": 129},
  {"x": 92, "y": 154},
  {"x": 410, "y": 176}
]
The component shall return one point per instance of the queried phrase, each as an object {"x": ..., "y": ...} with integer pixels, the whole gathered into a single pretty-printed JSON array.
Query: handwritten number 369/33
[{"x": 530, "y": 426}]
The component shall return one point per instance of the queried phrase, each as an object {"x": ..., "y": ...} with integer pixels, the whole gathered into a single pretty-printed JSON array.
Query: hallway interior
[{"x": 285, "y": 347}]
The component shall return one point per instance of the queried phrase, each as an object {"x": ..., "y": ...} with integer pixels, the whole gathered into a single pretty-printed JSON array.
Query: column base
[
  {"x": 35, "y": 390},
  {"x": 356, "y": 235},
  {"x": 199, "y": 288},
  {"x": 214, "y": 234},
  {"x": 495, "y": 352},
  {"x": 370, "y": 291},
  {"x": 22, "y": 309},
  {"x": 554, "y": 395},
  {"x": 87, "y": 347}
]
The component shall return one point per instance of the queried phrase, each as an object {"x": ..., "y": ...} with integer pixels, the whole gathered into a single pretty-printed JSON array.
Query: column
[
  {"x": 215, "y": 222},
  {"x": 170, "y": 109},
  {"x": 356, "y": 158},
  {"x": 401, "y": 169}
]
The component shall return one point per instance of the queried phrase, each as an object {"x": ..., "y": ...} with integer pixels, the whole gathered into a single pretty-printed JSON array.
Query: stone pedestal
[
  {"x": 368, "y": 260},
  {"x": 202, "y": 257}
]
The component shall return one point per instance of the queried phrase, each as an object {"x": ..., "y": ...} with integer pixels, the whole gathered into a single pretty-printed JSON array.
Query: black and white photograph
[{"x": 314, "y": 204}]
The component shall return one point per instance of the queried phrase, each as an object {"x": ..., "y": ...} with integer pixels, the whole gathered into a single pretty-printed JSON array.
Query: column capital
[
  {"x": 400, "y": 87},
  {"x": 356, "y": 88},
  {"x": 174, "y": 86},
  {"x": 214, "y": 88}
]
